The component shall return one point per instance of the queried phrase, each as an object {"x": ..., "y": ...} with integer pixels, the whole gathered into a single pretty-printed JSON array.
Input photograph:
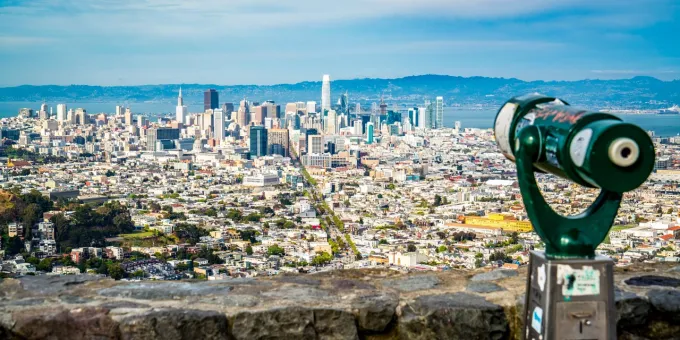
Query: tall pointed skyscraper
[
  {"x": 326, "y": 94},
  {"x": 181, "y": 110}
]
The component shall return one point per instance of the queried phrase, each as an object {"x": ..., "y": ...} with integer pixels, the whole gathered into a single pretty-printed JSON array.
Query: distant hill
[{"x": 638, "y": 92}]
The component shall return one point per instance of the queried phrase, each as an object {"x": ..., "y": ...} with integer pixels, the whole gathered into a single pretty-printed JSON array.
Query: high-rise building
[
  {"x": 369, "y": 133},
  {"x": 278, "y": 142},
  {"x": 326, "y": 94},
  {"x": 357, "y": 110},
  {"x": 128, "y": 117},
  {"x": 219, "y": 119},
  {"x": 315, "y": 144},
  {"x": 154, "y": 135},
  {"x": 358, "y": 127},
  {"x": 259, "y": 115},
  {"x": 243, "y": 117},
  {"x": 429, "y": 121},
  {"x": 331, "y": 123},
  {"x": 43, "y": 114},
  {"x": 422, "y": 118},
  {"x": 119, "y": 110},
  {"x": 228, "y": 108},
  {"x": 439, "y": 113},
  {"x": 383, "y": 107},
  {"x": 181, "y": 110},
  {"x": 207, "y": 120},
  {"x": 211, "y": 100},
  {"x": 81, "y": 117},
  {"x": 413, "y": 117},
  {"x": 141, "y": 121},
  {"x": 258, "y": 141},
  {"x": 272, "y": 110},
  {"x": 61, "y": 112},
  {"x": 311, "y": 107},
  {"x": 291, "y": 108},
  {"x": 344, "y": 103}
]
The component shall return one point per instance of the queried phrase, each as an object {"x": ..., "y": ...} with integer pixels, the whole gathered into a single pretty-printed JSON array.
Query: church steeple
[{"x": 180, "y": 101}]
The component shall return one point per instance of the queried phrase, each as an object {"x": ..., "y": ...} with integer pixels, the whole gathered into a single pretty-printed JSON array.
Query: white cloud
[
  {"x": 189, "y": 18},
  {"x": 15, "y": 41},
  {"x": 652, "y": 72}
]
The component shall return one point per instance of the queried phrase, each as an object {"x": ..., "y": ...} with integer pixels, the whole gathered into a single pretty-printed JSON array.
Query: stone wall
[{"x": 351, "y": 304}]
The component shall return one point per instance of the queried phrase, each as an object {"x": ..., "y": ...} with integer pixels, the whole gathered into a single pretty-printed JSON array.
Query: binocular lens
[{"x": 624, "y": 152}]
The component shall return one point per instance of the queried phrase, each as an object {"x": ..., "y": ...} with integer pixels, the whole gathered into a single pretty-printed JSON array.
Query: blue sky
[{"x": 124, "y": 42}]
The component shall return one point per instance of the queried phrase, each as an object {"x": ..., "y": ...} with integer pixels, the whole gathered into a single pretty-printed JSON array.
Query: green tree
[
  {"x": 103, "y": 268},
  {"x": 321, "y": 259},
  {"x": 514, "y": 238},
  {"x": 411, "y": 247},
  {"x": 116, "y": 271},
  {"x": 442, "y": 249},
  {"x": 437, "y": 200},
  {"x": 45, "y": 265},
  {"x": 138, "y": 274},
  {"x": 249, "y": 250},
  {"x": 181, "y": 267},
  {"x": 31, "y": 215},
  {"x": 275, "y": 250}
]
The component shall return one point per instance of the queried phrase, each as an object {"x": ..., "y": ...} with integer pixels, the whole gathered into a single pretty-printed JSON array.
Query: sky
[{"x": 134, "y": 42}]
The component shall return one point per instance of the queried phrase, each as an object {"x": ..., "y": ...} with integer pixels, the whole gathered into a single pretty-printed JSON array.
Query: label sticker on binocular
[{"x": 578, "y": 282}]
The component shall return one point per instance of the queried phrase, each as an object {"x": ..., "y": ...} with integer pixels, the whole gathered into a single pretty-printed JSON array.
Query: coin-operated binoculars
[{"x": 570, "y": 291}]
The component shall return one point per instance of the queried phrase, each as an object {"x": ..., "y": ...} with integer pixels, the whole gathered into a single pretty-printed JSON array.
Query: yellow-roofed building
[{"x": 507, "y": 223}]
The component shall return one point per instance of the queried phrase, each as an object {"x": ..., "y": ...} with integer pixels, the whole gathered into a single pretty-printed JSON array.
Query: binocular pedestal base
[{"x": 570, "y": 299}]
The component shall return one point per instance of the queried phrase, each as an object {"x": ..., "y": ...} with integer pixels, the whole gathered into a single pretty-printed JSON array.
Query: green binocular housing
[{"x": 593, "y": 149}]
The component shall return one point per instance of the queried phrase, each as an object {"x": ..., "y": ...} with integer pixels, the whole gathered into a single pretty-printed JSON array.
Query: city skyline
[{"x": 529, "y": 40}]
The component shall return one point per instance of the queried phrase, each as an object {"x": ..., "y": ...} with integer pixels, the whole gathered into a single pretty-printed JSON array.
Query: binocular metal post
[
  {"x": 570, "y": 299},
  {"x": 570, "y": 291}
]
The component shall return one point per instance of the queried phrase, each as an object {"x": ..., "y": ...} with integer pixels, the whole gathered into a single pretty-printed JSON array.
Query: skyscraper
[
  {"x": 243, "y": 117},
  {"x": 210, "y": 100},
  {"x": 181, "y": 110},
  {"x": 429, "y": 122},
  {"x": 357, "y": 110},
  {"x": 128, "y": 116},
  {"x": 439, "y": 113},
  {"x": 81, "y": 117},
  {"x": 369, "y": 133},
  {"x": 326, "y": 94},
  {"x": 422, "y": 118},
  {"x": 315, "y": 144},
  {"x": 383, "y": 107},
  {"x": 153, "y": 135},
  {"x": 219, "y": 119},
  {"x": 311, "y": 107},
  {"x": 278, "y": 142},
  {"x": 413, "y": 117},
  {"x": 228, "y": 108},
  {"x": 43, "y": 114},
  {"x": 344, "y": 103},
  {"x": 258, "y": 141},
  {"x": 119, "y": 110},
  {"x": 332, "y": 123},
  {"x": 61, "y": 112},
  {"x": 259, "y": 115}
]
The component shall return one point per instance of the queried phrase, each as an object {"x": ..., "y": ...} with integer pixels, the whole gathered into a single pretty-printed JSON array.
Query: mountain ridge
[{"x": 636, "y": 92}]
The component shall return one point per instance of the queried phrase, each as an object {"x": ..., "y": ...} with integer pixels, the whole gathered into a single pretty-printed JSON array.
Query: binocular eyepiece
[{"x": 593, "y": 149}]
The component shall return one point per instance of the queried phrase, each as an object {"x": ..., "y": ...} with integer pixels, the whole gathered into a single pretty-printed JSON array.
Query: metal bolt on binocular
[{"x": 570, "y": 290}]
